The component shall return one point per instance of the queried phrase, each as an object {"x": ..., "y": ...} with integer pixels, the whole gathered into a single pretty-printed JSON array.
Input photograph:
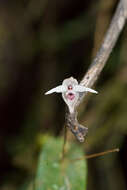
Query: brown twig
[
  {"x": 109, "y": 42},
  {"x": 116, "y": 26},
  {"x": 97, "y": 154}
]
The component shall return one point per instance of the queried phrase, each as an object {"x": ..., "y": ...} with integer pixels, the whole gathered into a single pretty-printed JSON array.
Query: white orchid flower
[{"x": 70, "y": 90}]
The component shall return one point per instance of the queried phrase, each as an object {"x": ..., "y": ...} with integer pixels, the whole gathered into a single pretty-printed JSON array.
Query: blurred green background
[{"x": 43, "y": 42}]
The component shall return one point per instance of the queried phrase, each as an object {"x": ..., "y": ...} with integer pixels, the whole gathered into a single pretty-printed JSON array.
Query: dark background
[{"x": 43, "y": 42}]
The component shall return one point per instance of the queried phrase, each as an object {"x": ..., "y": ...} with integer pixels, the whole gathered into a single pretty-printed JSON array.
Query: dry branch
[{"x": 116, "y": 26}]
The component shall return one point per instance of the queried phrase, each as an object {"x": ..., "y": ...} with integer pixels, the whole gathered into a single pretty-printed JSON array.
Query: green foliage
[{"x": 54, "y": 174}]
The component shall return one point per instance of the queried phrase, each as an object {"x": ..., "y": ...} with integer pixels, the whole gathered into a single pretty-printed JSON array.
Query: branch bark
[{"x": 110, "y": 39}]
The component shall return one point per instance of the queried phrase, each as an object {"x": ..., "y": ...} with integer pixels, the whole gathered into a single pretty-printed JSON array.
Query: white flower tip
[
  {"x": 46, "y": 93},
  {"x": 91, "y": 90},
  {"x": 95, "y": 92}
]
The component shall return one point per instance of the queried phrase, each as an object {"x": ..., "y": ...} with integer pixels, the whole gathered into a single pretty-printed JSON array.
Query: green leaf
[{"x": 54, "y": 174}]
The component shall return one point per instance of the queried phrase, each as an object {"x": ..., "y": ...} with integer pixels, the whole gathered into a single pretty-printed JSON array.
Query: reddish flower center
[{"x": 70, "y": 87}]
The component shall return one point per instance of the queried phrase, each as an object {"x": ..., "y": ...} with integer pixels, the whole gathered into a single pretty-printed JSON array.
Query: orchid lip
[{"x": 70, "y": 96}]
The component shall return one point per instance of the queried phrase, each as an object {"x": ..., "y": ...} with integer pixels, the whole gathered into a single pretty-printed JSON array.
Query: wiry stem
[
  {"x": 116, "y": 26},
  {"x": 96, "y": 154}
]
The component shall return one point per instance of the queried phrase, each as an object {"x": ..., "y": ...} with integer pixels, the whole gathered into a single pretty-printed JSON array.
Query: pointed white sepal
[
  {"x": 80, "y": 88},
  {"x": 57, "y": 89}
]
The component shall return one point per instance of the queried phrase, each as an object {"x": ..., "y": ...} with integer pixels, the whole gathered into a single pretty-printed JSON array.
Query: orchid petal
[
  {"x": 80, "y": 88},
  {"x": 57, "y": 89}
]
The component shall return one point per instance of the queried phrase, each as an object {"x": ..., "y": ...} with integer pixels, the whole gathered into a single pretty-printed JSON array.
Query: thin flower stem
[
  {"x": 96, "y": 154},
  {"x": 64, "y": 143}
]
